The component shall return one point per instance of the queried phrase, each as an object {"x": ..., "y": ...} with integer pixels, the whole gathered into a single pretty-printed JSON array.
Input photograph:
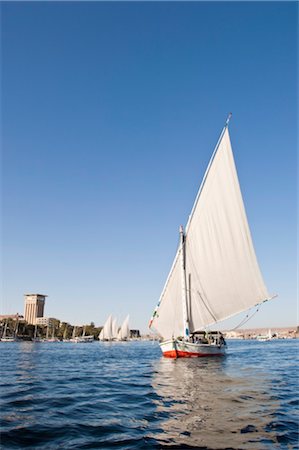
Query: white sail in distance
[
  {"x": 124, "y": 332},
  {"x": 114, "y": 329},
  {"x": 222, "y": 274},
  {"x": 106, "y": 332}
]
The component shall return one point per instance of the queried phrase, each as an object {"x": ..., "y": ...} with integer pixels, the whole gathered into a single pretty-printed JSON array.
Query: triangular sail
[
  {"x": 106, "y": 332},
  {"x": 114, "y": 329},
  {"x": 124, "y": 332},
  {"x": 168, "y": 315},
  {"x": 222, "y": 273}
]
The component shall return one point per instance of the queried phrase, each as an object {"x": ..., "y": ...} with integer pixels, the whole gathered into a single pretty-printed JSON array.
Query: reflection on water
[
  {"x": 127, "y": 396},
  {"x": 218, "y": 403}
]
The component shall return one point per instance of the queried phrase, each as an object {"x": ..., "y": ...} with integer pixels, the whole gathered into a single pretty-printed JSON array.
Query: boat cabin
[{"x": 207, "y": 337}]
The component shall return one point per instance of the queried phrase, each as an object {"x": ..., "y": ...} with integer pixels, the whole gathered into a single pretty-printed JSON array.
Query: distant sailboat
[
  {"x": 53, "y": 338},
  {"x": 84, "y": 338},
  {"x": 106, "y": 333},
  {"x": 35, "y": 337},
  {"x": 16, "y": 330},
  {"x": 5, "y": 337},
  {"x": 114, "y": 329},
  {"x": 64, "y": 338},
  {"x": 215, "y": 273},
  {"x": 267, "y": 337},
  {"x": 73, "y": 338},
  {"x": 124, "y": 332}
]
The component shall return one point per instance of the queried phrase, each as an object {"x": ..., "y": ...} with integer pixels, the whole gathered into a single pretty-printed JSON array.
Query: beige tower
[{"x": 34, "y": 307}]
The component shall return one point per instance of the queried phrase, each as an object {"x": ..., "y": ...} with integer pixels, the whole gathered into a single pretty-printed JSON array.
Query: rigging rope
[{"x": 246, "y": 319}]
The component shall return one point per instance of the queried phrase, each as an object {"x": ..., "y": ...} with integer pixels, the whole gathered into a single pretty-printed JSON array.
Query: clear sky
[{"x": 110, "y": 113}]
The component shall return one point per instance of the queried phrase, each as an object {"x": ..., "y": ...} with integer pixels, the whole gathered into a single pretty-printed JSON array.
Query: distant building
[
  {"x": 134, "y": 334},
  {"x": 47, "y": 321},
  {"x": 34, "y": 307}
]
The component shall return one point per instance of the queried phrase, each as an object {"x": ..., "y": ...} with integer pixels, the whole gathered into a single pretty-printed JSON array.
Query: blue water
[{"x": 127, "y": 396}]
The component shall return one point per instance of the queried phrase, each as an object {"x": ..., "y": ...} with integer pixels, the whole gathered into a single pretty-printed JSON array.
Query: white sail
[
  {"x": 124, "y": 332},
  {"x": 269, "y": 334},
  {"x": 222, "y": 274},
  {"x": 106, "y": 332},
  {"x": 168, "y": 317},
  {"x": 114, "y": 329}
]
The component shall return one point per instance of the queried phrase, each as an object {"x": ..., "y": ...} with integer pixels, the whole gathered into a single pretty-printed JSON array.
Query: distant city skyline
[{"x": 110, "y": 113}]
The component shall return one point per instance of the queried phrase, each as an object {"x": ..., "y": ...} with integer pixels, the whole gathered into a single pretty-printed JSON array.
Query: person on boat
[
  {"x": 205, "y": 339},
  {"x": 222, "y": 340}
]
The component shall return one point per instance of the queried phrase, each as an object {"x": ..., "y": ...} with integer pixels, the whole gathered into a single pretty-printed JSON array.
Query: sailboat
[
  {"x": 74, "y": 338},
  {"x": 114, "y": 329},
  {"x": 6, "y": 338},
  {"x": 267, "y": 337},
  {"x": 84, "y": 338},
  {"x": 13, "y": 337},
  {"x": 53, "y": 338},
  {"x": 124, "y": 332},
  {"x": 106, "y": 333},
  {"x": 64, "y": 337},
  {"x": 215, "y": 273},
  {"x": 35, "y": 337}
]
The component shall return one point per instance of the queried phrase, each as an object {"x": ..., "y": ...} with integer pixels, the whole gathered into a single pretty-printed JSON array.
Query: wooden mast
[{"x": 184, "y": 286}]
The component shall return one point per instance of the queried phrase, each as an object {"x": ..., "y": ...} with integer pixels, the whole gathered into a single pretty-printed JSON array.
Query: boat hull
[
  {"x": 82, "y": 339},
  {"x": 174, "y": 348}
]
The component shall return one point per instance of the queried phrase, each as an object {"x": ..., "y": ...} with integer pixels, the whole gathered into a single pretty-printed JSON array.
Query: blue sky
[{"x": 110, "y": 113}]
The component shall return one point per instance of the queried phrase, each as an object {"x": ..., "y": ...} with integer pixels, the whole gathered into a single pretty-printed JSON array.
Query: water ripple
[{"x": 126, "y": 396}]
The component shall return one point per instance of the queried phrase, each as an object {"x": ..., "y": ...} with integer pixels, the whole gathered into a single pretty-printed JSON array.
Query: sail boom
[{"x": 231, "y": 315}]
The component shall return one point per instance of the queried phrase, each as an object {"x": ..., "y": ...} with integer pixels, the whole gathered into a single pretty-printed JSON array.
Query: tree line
[{"x": 61, "y": 330}]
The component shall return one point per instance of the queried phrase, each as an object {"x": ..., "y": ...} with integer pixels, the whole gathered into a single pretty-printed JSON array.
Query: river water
[{"x": 127, "y": 396}]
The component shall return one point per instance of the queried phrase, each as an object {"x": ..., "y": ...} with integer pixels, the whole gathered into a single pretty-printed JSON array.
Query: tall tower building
[{"x": 34, "y": 307}]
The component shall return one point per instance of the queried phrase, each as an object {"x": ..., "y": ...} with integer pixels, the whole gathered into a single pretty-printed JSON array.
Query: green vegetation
[{"x": 60, "y": 330}]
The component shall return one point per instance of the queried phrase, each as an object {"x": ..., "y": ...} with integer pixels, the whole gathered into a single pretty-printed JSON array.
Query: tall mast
[
  {"x": 17, "y": 328},
  {"x": 184, "y": 287},
  {"x": 5, "y": 328}
]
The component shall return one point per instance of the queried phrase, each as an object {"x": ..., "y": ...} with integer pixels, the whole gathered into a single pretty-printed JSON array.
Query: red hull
[
  {"x": 175, "y": 348},
  {"x": 181, "y": 354}
]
